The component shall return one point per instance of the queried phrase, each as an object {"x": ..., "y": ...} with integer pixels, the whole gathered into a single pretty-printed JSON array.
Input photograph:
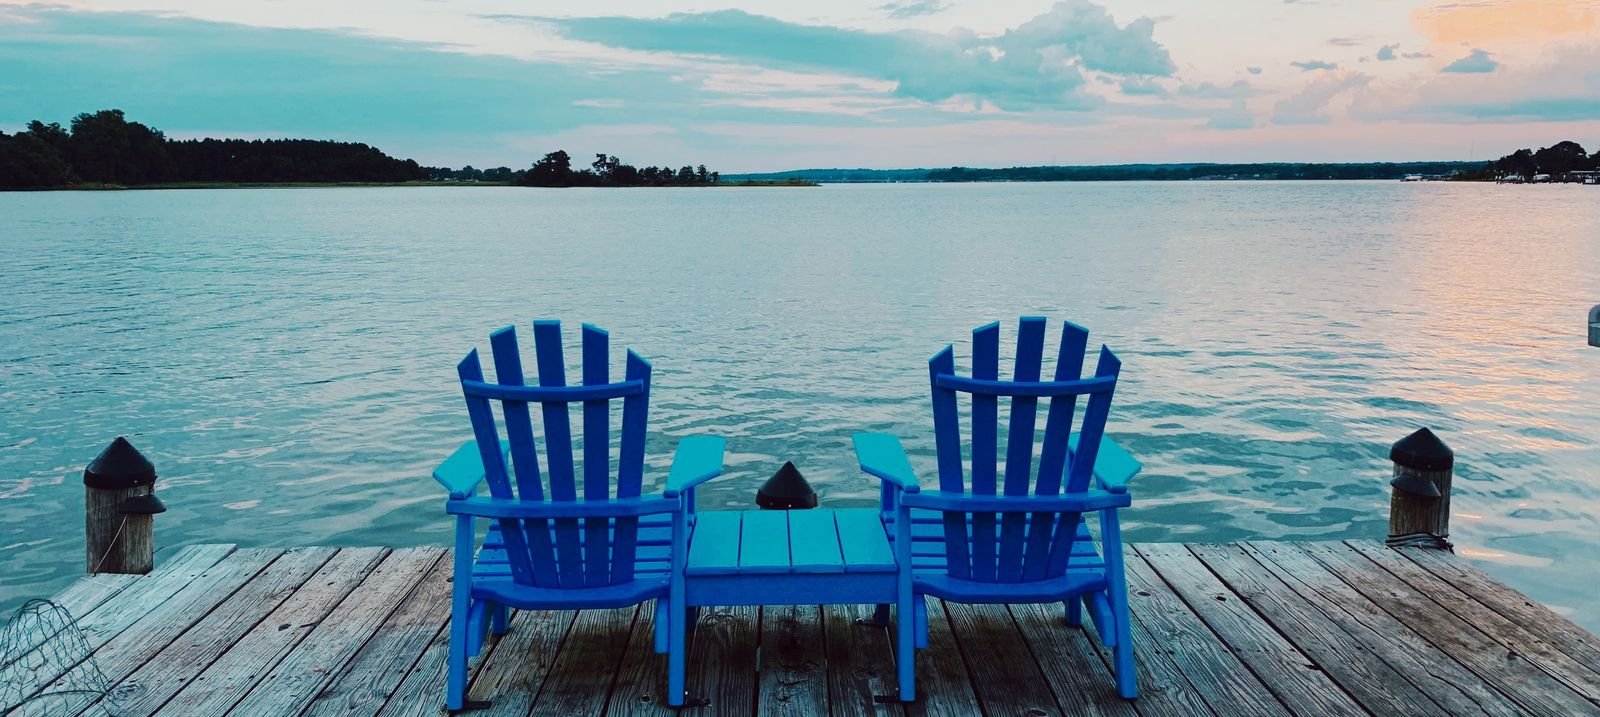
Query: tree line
[
  {"x": 1176, "y": 172},
  {"x": 105, "y": 148},
  {"x": 1556, "y": 160}
]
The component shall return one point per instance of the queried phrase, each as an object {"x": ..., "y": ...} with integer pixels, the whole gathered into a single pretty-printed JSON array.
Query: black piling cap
[
  {"x": 142, "y": 505},
  {"x": 1422, "y": 451},
  {"x": 786, "y": 490},
  {"x": 119, "y": 467}
]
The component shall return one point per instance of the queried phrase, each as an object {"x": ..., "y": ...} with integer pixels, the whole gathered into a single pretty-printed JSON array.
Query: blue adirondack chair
[
  {"x": 547, "y": 546},
  {"x": 1016, "y": 536}
]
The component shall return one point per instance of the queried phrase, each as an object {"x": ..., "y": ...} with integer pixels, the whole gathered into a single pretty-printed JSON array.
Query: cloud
[
  {"x": 1310, "y": 105},
  {"x": 1142, "y": 87},
  {"x": 192, "y": 77},
  {"x": 905, "y": 9},
  {"x": 1476, "y": 62},
  {"x": 1417, "y": 55},
  {"x": 1563, "y": 86},
  {"x": 1236, "y": 117},
  {"x": 1211, "y": 91},
  {"x": 1352, "y": 41},
  {"x": 1313, "y": 65},
  {"x": 1038, "y": 64},
  {"x": 1482, "y": 22},
  {"x": 1386, "y": 53},
  {"x": 1253, "y": 70}
]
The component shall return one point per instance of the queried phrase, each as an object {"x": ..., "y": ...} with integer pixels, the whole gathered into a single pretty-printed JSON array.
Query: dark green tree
[
  {"x": 554, "y": 170},
  {"x": 28, "y": 162},
  {"x": 107, "y": 148}
]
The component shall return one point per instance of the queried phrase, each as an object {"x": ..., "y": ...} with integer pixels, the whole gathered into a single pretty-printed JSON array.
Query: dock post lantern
[
  {"x": 1419, "y": 506},
  {"x": 119, "y": 508},
  {"x": 786, "y": 490}
]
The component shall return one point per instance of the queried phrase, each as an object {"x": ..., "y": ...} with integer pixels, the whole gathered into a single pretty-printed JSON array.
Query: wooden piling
[
  {"x": 1419, "y": 505},
  {"x": 119, "y": 507}
]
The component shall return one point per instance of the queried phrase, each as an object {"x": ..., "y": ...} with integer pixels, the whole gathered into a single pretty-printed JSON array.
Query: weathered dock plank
[
  {"x": 1347, "y": 659},
  {"x": 1072, "y": 667},
  {"x": 860, "y": 663},
  {"x": 1511, "y": 673},
  {"x": 1004, "y": 672},
  {"x": 112, "y": 617},
  {"x": 1446, "y": 681},
  {"x": 377, "y": 670},
  {"x": 584, "y": 672},
  {"x": 944, "y": 687},
  {"x": 1521, "y": 609},
  {"x": 1516, "y": 637},
  {"x": 722, "y": 662},
  {"x": 1178, "y": 645},
  {"x": 793, "y": 665},
  {"x": 222, "y": 684},
  {"x": 1299, "y": 682},
  {"x": 177, "y": 662},
  {"x": 1241, "y": 629},
  {"x": 325, "y": 652},
  {"x": 512, "y": 670}
]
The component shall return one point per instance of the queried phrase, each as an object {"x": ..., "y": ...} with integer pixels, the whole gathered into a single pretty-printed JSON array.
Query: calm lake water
[{"x": 287, "y": 357}]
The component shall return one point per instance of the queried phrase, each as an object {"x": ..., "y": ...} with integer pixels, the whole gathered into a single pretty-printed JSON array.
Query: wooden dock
[{"x": 1305, "y": 629}]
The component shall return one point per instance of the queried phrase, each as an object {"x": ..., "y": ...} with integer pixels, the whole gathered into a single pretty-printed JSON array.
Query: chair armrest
[
  {"x": 697, "y": 460},
  {"x": 463, "y": 470},
  {"x": 881, "y": 456},
  {"x": 1113, "y": 466},
  {"x": 966, "y": 502}
]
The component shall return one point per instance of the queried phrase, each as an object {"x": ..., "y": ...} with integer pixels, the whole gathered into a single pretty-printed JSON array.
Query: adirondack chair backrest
[
  {"x": 1027, "y": 546},
  {"x": 561, "y": 552}
]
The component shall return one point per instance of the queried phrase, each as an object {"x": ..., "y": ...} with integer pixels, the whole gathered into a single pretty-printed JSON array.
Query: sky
[{"x": 764, "y": 85}]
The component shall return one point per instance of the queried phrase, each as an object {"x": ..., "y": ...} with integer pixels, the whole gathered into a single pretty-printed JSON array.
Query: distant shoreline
[{"x": 164, "y": 186}]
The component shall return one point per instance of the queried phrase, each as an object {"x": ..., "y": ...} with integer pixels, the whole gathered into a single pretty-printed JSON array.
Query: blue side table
[{"x": 791, "y": 557}]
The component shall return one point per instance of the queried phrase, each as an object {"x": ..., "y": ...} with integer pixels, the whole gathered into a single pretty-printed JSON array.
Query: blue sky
[{"x": 768, "y": 85}]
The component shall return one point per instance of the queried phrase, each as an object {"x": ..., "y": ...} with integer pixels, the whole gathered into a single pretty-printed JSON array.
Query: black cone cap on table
[
  {"x": 120, "y": 466},
  {"x": 786, "y": 490}
]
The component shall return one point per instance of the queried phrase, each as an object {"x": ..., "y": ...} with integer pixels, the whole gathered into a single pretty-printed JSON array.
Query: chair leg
[
  {"x": 920, "y": 607},
  {"x": 1122, "y": 654},
  {"x": 662, "y": 618},
  {"x": 1075, "y": 611},
  {"x": 675, "y": 653},
  {"x": 880, "y": 616},
  {"x": 905, "y": 641},
  {"x": 455, "y": 691},
  {"x": 499, "y": 620}
]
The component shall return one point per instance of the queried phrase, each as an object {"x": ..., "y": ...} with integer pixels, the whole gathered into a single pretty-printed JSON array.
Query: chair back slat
[
  {"x": 1026, "y": 546},
  {"x": 595, "y": 551},
  {"x": 630, "y": 466},
  {"x": 487, "y": 435},
  {"x": 524, "y": 452},
  {"x": 1053, "y": 456},
  {"x": 596, "y": 456},
  {"x": 947, "y": 443},
  {"x": 558, "y": 451},
  {"x": 985, "y": 447},
  {"x": 1019, "y": 445}
]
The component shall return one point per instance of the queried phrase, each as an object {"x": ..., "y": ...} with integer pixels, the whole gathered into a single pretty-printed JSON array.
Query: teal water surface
[{"x": 287, "y": 356}]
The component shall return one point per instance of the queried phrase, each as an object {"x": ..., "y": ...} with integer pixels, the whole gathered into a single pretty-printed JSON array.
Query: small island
[{"x": 104, "y": 150}]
